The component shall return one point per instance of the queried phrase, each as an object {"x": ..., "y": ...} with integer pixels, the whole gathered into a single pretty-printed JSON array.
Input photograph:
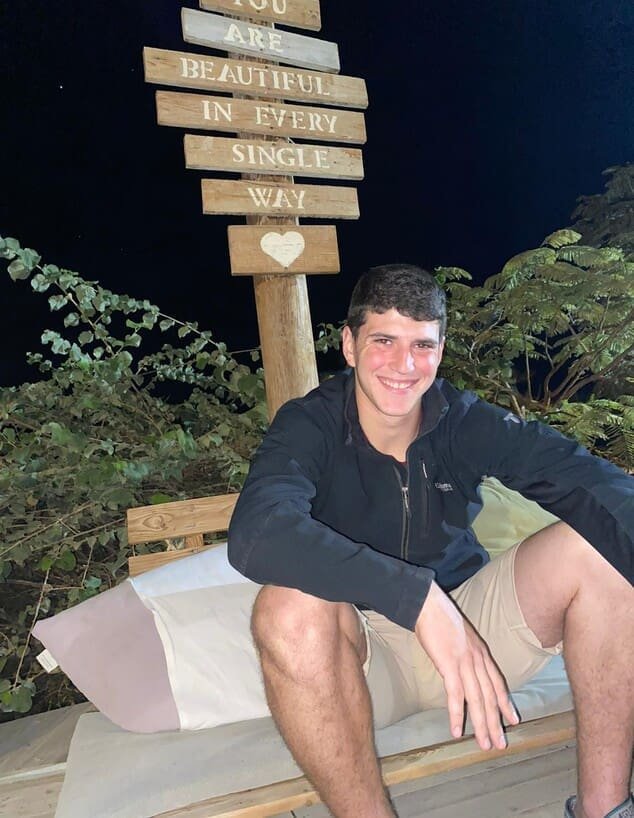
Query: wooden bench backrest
[{"x": 183, "y": 518}]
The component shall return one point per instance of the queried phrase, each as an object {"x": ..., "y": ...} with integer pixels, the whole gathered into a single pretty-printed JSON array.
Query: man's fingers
[
  {"x": 480, "y": 685},
  {"x": 501, "y": 692},
  {"x": 485, "y": 669},
  {"x": 455, "y": 705},
  {"x": 476, "y": 705}
]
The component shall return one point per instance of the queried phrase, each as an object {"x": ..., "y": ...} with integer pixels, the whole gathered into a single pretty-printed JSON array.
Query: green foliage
[
  {"x": 607, "y": 219},
  {"x": 98, "y": 435},
  {"x": 552, "y": 336}
]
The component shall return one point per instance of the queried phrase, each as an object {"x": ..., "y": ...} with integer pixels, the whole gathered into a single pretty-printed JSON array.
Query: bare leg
[
  {"x": 312, "y": 653},
  {"x": 568, "y": 591}
]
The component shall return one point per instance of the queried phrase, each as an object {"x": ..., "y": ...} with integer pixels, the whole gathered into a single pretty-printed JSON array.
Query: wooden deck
[
  {"x": 33, "y": 755},
  {"x": 534, "y": 785}
]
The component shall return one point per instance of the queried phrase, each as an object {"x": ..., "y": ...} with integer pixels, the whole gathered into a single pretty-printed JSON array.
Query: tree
[
  {"x": 607, "y": 219},
  {"x": 552, "y": 337}
]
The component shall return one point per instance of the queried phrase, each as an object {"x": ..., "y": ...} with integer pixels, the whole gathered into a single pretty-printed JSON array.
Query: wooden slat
[
  {"x": 298, "y": 13},
  {"x": 216, "y": 31},
  {"x": 181, "y": 518},
  {"x": 181, "y": 110},
  {"x": 147, "y": 562},
  {"x": 278, "y": 157},
  {"x": 289, "y": 795},
  {"x": 467, "y": 781},
  {"x": 530, "y": 785},
  {"x": 260, "y": 198},
  {"x": 455, "y": 754},
  {"x": 31, "y": 798},
  {"x": 33, "y": 752},
  {"x": 211, "y": 72},
  {"x": 269, "y": 250},
  {"x": 38, "y": 745}
]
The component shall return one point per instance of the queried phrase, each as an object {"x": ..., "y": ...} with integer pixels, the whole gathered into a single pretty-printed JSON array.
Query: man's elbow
[
  {"x": 243, "y": 548},
  {"x": 236, "y": 549}
]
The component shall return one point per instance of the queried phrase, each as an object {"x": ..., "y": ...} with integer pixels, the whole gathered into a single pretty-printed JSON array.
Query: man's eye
[{"x": 382, "y": 340}]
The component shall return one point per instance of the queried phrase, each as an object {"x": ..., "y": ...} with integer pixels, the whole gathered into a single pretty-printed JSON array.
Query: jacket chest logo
[{"x": 444, "y": 486}]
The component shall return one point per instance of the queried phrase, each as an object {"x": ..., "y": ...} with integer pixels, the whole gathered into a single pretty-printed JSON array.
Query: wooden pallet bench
[{"x": 186, "y": 522}]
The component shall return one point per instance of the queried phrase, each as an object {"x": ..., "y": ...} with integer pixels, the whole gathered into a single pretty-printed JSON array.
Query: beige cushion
[{"x": 507, "y": 517}]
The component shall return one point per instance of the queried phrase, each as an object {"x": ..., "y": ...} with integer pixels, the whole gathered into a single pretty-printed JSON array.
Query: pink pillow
[
  {"x": 169, "y": 649},
  {"x": 110, "y": 649}
]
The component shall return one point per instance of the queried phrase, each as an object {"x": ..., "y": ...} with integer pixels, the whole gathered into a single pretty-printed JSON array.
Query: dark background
[{"x": 486, "y": 121}]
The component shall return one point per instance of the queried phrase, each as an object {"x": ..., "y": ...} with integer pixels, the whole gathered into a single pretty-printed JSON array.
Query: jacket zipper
[
  {"x": 406, "y": 511},
  {"x": 425, "y": 499}
]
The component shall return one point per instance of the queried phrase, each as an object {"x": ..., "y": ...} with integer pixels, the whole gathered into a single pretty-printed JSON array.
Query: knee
[
  {"x": 578, "y": 557},
  {"x": 302, "y": 634},
  {"x": 559, "y": 561}
]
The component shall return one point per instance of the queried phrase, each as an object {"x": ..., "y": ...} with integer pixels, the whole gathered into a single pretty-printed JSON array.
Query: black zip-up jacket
[{"x": 325, "y": 512}]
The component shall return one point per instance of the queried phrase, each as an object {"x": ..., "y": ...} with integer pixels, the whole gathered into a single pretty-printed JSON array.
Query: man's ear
[{"x": 347, "y": 345}]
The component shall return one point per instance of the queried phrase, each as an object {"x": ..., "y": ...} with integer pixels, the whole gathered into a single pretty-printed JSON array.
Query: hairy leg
[
  {"x": 312, "y": 654},
  {"x": 568, "y": 591}
]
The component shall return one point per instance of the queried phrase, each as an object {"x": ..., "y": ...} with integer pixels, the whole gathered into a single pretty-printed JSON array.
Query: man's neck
[{"x": 391, "y": 436}]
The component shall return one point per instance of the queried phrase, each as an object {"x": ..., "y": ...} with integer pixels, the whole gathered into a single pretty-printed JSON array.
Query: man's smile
[{"x": 396, "y": 385}]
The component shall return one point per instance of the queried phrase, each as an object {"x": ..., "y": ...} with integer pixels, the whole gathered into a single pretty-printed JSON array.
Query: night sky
[{"x": 486, "y": 121}]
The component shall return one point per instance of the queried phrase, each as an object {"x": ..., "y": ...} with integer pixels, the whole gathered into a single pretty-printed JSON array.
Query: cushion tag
[{"x": 47, "y": 660}]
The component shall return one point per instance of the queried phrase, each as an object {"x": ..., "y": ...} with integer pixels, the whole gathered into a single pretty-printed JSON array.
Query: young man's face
[{"x": 395, "y": 360}]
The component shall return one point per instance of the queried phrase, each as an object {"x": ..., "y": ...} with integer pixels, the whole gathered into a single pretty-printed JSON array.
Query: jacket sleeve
[
  {"x": 274, "y": 540},
  {"x": 593, "y": 496}
]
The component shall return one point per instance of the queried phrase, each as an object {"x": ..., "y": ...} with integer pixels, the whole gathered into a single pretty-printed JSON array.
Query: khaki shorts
[{"x": 400, "y": 675}]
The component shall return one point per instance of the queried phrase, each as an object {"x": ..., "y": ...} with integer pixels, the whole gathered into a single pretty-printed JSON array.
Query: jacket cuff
[{"x": 412, "y": 596}]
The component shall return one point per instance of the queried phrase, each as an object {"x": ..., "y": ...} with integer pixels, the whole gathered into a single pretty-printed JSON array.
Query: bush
[{"x": 97, "y": 435}]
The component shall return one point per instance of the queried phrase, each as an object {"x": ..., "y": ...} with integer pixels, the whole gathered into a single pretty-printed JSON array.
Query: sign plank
[
  {"x": 225, "y": 197},
  {"x": 244, "y": 37},
  {"x": 211, "y": 73},
  {"x": 298, "y": 13},
  {"x": 280, "y": 157},
  {"x": 254, "y": 116},
  {"x": 277, "y": 249}
]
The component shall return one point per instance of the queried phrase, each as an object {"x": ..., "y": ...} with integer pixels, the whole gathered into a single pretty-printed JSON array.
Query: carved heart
[{"x": 285, "y": 248}]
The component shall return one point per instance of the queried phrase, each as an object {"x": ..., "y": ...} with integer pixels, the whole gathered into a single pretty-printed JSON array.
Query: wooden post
[
  {"x": 288, "y": 351},
  {"x": 286, "y": 332}
]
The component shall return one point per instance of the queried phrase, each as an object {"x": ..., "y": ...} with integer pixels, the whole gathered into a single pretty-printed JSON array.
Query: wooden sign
[
  {"x": 283, "y": 249},
  {"x": 254, "y": 116},
  {"x": 283, "y": 157},
  {"x": 212, "y": 73},
  {"x": 298, "y": 13},
  {"x": 226, "y": 197},
  {"x": 244, "y": 37},
  {"x": 273, "y": 248}
]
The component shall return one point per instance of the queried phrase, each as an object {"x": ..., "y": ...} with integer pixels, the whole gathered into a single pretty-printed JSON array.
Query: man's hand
[{"x": 467, "y": 669}]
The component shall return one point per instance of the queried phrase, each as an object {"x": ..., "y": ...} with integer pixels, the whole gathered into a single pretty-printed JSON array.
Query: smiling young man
[
  {"x": 379, "y": 601},
  {"x": 395, "y": 359}
]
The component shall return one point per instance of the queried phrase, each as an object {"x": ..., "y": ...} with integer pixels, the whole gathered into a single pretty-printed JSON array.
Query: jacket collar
[{"x": 435, "y": 405}]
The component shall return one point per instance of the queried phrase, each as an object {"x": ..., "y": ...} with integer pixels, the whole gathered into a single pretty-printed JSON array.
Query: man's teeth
[{"x": 397, "y": 384}]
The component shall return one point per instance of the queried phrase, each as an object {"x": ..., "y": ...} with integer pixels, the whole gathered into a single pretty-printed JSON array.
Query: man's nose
[{"x": 403, "y": 360}]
